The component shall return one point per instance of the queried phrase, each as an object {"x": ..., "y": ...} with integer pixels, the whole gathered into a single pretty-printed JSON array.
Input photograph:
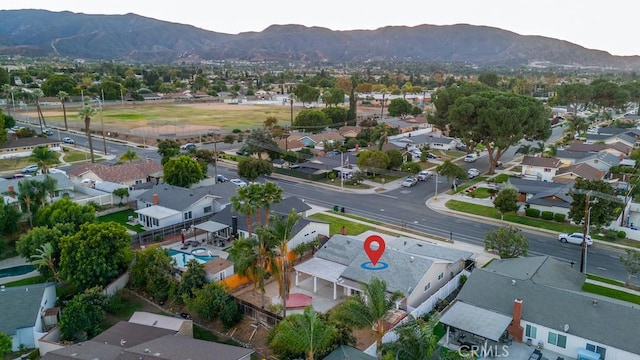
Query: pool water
[
  {"x": 182, "y": 258},
  {"x": 16, "y": 270}
]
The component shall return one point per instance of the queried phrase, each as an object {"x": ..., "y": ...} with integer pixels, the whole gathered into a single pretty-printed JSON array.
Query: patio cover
[
  {"x": 211, "y": 226},
  {"x": 487, "y": 324},
  {"x": 321, "y": 268}
]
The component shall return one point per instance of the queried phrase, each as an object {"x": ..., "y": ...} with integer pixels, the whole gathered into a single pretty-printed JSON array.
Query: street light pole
[
  {"x": 583, "y": 251},
  {"x": 341, "y": 168},
  {"x": 291, "y": 101}
]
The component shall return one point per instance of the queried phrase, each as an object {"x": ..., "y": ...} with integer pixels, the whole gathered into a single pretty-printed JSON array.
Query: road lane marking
[{"x": 601, "y": 268}]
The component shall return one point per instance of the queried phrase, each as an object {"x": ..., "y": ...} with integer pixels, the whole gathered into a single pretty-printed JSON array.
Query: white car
[
  {"x": 238, "y": 182},
  {"x": 424, "y": 175},
  {"x": 473, "y": 172},
  {"x": 574, "y": 238},
  {"x": 409, "y": 182},
  {"x": 470, "y": 158},
  {"x": 68, "y": 140}
]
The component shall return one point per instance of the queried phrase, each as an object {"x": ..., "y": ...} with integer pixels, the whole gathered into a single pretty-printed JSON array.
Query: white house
[
  {"x": 539, "y": 301},
  {"x": 218, "y": 269},
  {"x": 22, "y": 312},
  {"x": 540, "y": 168}
]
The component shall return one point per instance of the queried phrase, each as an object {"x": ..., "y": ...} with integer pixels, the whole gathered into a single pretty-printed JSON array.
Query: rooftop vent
[
  {"x": 513, "y": 282},
  {"x": 594, "y": 302}
]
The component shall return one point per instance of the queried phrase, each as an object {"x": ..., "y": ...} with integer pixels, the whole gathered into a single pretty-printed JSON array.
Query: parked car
[
  {"x": 221, "y": 178},
  {"x": 29, "y": 169},
  {"x": 470, "y": 158},
  {"x": 431, "y": 156},
  {"x": 473, "y": 172},
  {"x": 461, "y": 147},
  {"x": 409, "y": 182},
  {"x": 188, "y": 146},
  {"x": 47, "y": 132},
  {"x": 574, "y": 238},
  {"x": 424, "y": 175},
  {"x": 68, "y": 140},
  {"x": 498, "y": 163},
  {"x": 238, "y": 182}
]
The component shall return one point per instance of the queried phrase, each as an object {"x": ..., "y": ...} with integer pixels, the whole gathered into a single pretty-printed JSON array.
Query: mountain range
[{"x": 131, "y": 37}]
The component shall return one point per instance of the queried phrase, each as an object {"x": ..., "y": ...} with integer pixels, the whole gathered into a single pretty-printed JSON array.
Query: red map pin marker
[{"x": 374, "y": 254}]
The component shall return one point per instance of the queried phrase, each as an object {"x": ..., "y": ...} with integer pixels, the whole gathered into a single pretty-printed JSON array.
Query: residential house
[
  {"x": 573, "y": 157},
  {"x": 165, "y": 205},
  {"x": 425, "y": 267},
  {"x": 22, "y": 310},
  {"x": 64, "y": 187},
  {"x": 218, "y": 269},
  {"x": 583, "y": 170},
  {"x": 555, "y": 200},
  {"x": 540, "y": 168},
  {"x": 142, "y": 340},
  {"x": 129, "y": 174},
  {"x": 603, "y": 161},
  {"x": 610, "y": 135},
  {"x": 616, "y": 148},
  {"x": 345, "y": 352},
  {"x": 406, "y": 124},
  {"x": 23, "y": 147},
  {"x": 349, "y": 131},
  {"x": 422, "y": 141},
  {"x": 539, "y": 301}
]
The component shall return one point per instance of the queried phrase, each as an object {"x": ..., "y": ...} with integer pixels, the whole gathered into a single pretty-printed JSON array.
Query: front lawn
[
  {"x": 121, "y": 217},
  {"x": 611, "y": 293},
  {"x": 337, "y": 223}
]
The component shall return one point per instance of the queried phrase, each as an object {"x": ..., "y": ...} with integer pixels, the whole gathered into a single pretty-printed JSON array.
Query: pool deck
[
  {"x": 13, "y": 262},
  {"x": 215, "y": 250}
]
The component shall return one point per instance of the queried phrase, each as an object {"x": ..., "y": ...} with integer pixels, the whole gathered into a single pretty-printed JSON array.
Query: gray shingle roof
[
  {"x": 172, "y": 347},
  {"x": 62, "y": 182},
  {"x": 533, "y": 186},
  {"x": 20, "y": 306},
  {"x": 281, "y": 208},
  {"x": 551, "y": 295},
  {"x": 175, "y": 197},
  {"x": 348, "y": 353}
]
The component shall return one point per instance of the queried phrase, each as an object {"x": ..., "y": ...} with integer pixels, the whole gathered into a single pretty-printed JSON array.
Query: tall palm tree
[
  {"x": 539, "y": 148},
  {"x": 282, "y": 229},
  {"x": 368, "y": 310},
  {"x": 129, "y": 155},
  {"x": 44, "y": 158},
  {"x": 37, "y": 94},
  {"x": 524, "y": 149},
  {"x": 48, "y": 186},
  {"x": 271, "y": 194},
  {"x": 417, "y": 340},
  {"x": 6, "y": 89},
  {"x": 304, "y": 333},
  {"x": 64, "y": 97},
  {"x": 551, "y": 151},
  {"x": 44, "y": 257},
  {"x": 242, "y": 202},
  {"x": 86, "y": 113}
]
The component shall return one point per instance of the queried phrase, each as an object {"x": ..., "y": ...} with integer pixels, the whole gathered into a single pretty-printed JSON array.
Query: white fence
[
  {"x": 421, "y": 310},
  {"x": 116, "y": 285}
]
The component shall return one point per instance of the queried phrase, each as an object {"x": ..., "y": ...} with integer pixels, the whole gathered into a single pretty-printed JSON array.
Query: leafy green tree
[
  {"x": 490, "y": 79},
  {"x": 337, "y": 115},
  {"x": 168, "y": 149},
  {"x": 31, "y": 196},
  {"x": 607, "y": 94},
  {"x": 44, "y": 158},
  {"x": 631, "y": 263},
  {"x": 633, "y": 88},
  {"x": 130, "y": 155},
  {"x": 399, "y": 107},
  {"x": 252, "y": 168},
  {"x": 603, "y": 210},
  {"x": 506, "y": 201},
  {"x": 395, "y": 158},
  {"x": 311, "y": 120},
  {"x": 356, "y": 312},
  {"x": 86, "y": 113},
  {"x": 83, "y": 315},
  {"x": 7, "y": 90},
  {"x": 182, "y": 171},
  {"x": 303, "y": 334},
  {"x": 66, "y": 211},
  {"x": 333, "y": 96},
  {"x": 507, "y": 242},
  {"x": 95, "y": 255},
  {"x": 9, "y": 218},
  {"x": 151, "y": 273},
  {"x": 445, "y": 98},
  {"x": 192, "y": 279},
  {"x": 258, "y": 142},
  {"x": 6, "y": 345},
  {"x": 417, "y": 339},
  {"x": 28, "y": 244},
  {"x": 204, "y": 157},
  {"x": 45, "y": 258},
  {"x": 373, "y": 160},
  {"x": 212, "y": 301},
  {"x": 576, "y": 95},
  {"x": 451, "y": 171},
  {"x": 56, "y": 83},
  {"x": 121, "y": 193},
  {"x": 306, "y": 93},
  {"x": 410, "y": 167}
]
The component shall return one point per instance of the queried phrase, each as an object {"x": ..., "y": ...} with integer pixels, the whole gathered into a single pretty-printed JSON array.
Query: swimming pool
[
  {"x": 16, "y": 270},
  {"x": 182, "y": 258}
]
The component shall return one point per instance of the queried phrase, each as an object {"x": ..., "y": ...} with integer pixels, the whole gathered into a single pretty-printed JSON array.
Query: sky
[{"x": 601, "y": 25}]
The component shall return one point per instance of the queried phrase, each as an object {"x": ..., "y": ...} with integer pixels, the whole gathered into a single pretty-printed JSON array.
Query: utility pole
[
  {"x": 104, "y": 140},
  {"x": 583, "y": 251}
]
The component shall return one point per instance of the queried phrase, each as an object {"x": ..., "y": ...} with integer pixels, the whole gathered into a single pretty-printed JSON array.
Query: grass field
[
  {"x": 121, "y": 217},
  {"x": 336, "y": 224}
]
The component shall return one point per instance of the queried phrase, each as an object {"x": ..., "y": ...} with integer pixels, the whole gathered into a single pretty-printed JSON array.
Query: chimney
[
  {"x": 12, "y": 192},
  {"x": 515, "y": 329},
  {"x": 234, "y": 226},
  {"x": 155, "y": 199}
]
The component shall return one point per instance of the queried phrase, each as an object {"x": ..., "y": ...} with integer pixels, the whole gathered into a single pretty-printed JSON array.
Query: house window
[
  {"x": 531, "y": 331},
  {"x": 188, "y": 215},
  {"x": 597, "y": 349},
  {"x": 547, "y": 170},
  {"x": 557, "y": 340},
  {"x": 155, "y": 222},
  {"x": 223, "y": 275},
  {"x": 440, "y": 276},
  {"x": 426, "y": 287},
  {"x": 138, "y": 182},
  {"x": 207, "y": 209}
]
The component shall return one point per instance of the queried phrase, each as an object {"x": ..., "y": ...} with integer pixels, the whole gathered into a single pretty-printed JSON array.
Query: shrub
[
  {"x": 622, "y": 234},
  {"x": 559, "y": 217},
  {"x": 535, "y": 213},
  {"x": 611, "y": 235},
  {"x": 547, "y": 215}
]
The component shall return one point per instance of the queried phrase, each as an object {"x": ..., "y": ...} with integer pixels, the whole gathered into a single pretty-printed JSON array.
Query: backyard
[{"x": 121, "y": 217}]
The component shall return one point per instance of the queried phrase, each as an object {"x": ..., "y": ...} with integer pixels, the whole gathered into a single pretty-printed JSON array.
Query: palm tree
[
  {"x": 44, "y": 158},
  {"x": 271, "y": 194},
  {"x": 48, "y": 186},
  {"x": 129, "y": 155},
  {"x": 86, "y": 113},
  {"x": 242, "y": 202},
  {"x": 304, "y": 333},
  {"x": 6, "y": 88},
  {"x": 416, "y": 339},
  {"x": 282, "y": 229},
  {"x": 44, "y": 258},
  {"x": 64, "y": 96},
  {"x": 37, "y": 94},
  {"x": 524, "y": 149},
  {"x": 368, "y": 310},
  {"x": 539, "y": 149},
  {"x": 551, "y": 151}
]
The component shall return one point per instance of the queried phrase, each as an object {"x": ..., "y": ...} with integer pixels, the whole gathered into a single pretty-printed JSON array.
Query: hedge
[
  {"x": 547, "y": 215},
  {"x": 535, "y": 213},
  {"x": 559, "y": 217}
]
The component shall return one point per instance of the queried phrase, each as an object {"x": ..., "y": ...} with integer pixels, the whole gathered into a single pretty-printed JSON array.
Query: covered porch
[
  {"x": 326, "y": 271},
  {"x": 216, "y": 234}
]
